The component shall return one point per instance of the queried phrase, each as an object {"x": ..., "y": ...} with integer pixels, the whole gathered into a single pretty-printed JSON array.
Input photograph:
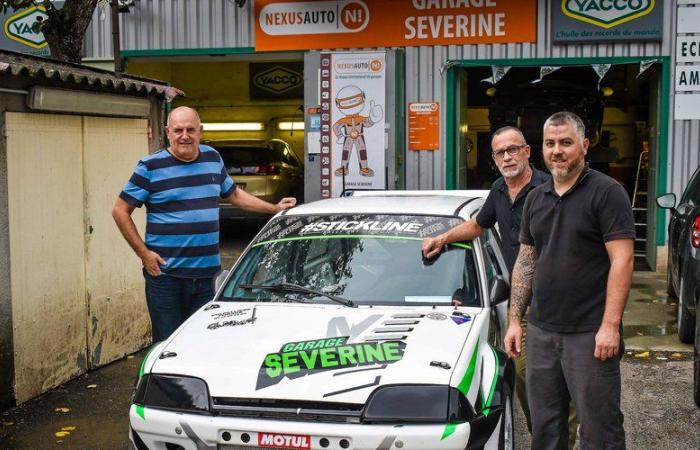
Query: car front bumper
[{"x": 195, "y": 432}]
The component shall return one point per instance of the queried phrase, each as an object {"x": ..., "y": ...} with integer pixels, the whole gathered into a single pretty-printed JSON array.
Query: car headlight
[
  {"x": 418, "y": 403},
  {"x": 173, "y": 392}
]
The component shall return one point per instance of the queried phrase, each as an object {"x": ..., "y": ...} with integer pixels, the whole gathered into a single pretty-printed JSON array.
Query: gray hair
[
  {"x": 509, "y": 128},
  {"x": 567, "y": 118},
  {"x": 180, "y": 108}
]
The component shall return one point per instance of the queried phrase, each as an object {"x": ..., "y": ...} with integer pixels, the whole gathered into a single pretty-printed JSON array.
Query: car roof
[
  {"x": 439, "y": 203},
  {"x": 240, "y": 142}
]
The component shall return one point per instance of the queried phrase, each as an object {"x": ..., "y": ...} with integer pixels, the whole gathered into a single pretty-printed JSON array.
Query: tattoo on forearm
[{"x": 521, "y": 283}]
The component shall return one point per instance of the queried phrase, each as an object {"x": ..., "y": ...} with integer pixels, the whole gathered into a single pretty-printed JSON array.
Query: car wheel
[
  {"x": 696, "y": 364},
  {"x": 507, "y": 434},
  {"x": 669, "y": 282},
  {"x": 686, "y": 321}
]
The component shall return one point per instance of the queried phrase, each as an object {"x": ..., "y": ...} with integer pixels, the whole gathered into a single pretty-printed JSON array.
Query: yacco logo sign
[
  {"x": 343, "y": 16},
  {"x": 298, "y": 359},
  {"x": 278, "y": 79},
  {"x": 606, "y": 13},
  {"x": 18, "y": 27},
  {"x": 284, "y": 440}
]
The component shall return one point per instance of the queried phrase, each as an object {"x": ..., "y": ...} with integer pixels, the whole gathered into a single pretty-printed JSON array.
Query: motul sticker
[{"x": 292, "y": 441}]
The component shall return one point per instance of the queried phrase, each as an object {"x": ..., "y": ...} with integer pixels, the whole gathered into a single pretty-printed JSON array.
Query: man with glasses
[{"x": 504, "y": 205}]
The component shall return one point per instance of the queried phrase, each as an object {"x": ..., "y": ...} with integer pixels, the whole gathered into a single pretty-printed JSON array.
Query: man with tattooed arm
[{"x": 575, "y": 263}]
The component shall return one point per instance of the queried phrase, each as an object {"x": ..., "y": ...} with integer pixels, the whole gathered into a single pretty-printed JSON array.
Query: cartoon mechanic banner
[{"x": 353, "y": 87}]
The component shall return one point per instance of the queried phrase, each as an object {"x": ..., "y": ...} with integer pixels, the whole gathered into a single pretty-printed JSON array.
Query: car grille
[{"x": 288, "y": 410}]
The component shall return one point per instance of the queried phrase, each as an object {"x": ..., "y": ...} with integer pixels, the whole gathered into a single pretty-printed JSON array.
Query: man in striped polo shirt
[{"x": 181, "y": 187}]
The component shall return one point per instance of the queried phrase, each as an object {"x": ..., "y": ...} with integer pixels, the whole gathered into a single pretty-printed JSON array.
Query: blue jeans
[{"x": 172, "y": 300}]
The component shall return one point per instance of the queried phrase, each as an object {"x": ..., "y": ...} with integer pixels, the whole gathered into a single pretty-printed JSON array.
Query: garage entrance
[
  {"x": 620, "y": 110},
  {"x": 251, "y": 105}
]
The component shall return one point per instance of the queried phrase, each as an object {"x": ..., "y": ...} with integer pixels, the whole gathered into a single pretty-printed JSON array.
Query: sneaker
[
  {"x": 366, "y": 171},
  {"x": 340, "y": 171}
]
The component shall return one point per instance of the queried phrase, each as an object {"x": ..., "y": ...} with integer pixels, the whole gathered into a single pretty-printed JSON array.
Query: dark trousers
[
  {"x": 561, "y": 366},
  {"x": 172, "y": 300}
]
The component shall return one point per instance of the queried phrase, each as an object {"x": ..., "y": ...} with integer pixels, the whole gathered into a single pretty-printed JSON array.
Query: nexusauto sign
[{"x": 606, "y": 20}]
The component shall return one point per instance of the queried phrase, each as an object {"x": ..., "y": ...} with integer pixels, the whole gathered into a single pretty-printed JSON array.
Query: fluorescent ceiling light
[
  {"x": 234, "y": 126},
  {"x": 81, "y": 102},
  {"x": 297, "y": 125}
]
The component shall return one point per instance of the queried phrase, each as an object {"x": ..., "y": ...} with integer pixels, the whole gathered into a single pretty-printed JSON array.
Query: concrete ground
[{"x": 90, "y": 412}]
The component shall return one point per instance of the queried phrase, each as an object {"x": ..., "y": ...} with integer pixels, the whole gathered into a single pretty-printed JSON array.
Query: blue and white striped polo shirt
[{"x": 182, "y": 209}]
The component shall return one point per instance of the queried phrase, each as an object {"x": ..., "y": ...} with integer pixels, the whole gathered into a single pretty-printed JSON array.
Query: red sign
[
  {"x": 291, "y": 441},
  {"x": 424, "y": 126},
  {"x": 330, "y": 24}
]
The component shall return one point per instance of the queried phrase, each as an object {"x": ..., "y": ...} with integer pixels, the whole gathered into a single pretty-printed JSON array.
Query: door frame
[{"x": 660, "y": 161}]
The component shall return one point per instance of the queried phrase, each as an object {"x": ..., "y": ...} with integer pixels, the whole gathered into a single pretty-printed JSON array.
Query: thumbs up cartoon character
[{"x": 349, "y": 129}]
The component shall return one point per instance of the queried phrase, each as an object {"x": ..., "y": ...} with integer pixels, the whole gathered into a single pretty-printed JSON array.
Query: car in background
[
  {"x": 332, "y": 332},
  {"x": 268, "y": 169},
  {"x": 684, "y": 264}
]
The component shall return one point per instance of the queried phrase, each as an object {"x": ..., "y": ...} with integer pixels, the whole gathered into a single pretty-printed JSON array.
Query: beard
[
  {"x": 514, "y": 172},
  {"x": 572, "y": 168}
]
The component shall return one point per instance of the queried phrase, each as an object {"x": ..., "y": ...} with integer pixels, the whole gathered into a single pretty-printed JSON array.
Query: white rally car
[{"x": 332, "y": 332}]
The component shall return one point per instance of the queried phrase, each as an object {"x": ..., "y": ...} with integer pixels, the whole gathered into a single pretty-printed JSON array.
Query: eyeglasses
[{"x": 511, "y": 150}]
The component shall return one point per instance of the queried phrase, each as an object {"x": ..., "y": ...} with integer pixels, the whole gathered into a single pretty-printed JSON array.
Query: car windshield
[{"x": 366, "y": 259}]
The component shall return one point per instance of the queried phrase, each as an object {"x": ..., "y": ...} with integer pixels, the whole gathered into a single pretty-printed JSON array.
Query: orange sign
[
  {"x": 298, "y": 25},
  {"x": 423, "y": 126}
]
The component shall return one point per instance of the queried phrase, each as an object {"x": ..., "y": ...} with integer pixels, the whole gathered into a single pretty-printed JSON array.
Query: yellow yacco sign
[
  {"x": 19, "y": 27},
  {"x": 606, "y": 13}
]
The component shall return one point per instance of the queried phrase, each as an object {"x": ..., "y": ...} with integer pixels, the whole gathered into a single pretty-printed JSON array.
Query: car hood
[{"x": 315, "y": 353}]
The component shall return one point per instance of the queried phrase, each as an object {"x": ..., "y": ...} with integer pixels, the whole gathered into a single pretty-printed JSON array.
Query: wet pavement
[{"x": 91, "y": 412}]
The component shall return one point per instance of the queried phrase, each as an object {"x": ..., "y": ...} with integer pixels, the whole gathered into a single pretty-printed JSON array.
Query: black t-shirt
[
  {"x": 499, "y": 209},
  {"x": 569, "y": 235}
]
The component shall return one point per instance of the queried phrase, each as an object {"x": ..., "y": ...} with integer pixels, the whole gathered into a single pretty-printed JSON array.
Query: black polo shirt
[
  {"x": 569, "y": 235},
  {"x": 499, "y": 209}
]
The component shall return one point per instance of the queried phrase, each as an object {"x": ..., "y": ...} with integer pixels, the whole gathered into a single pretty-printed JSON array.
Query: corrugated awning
[{"x": 22, "y": 65}]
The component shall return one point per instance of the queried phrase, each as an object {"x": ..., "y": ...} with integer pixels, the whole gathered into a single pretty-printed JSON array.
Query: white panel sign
[
  {"x": 688, "y": 20},
  {"x": 687, "y": 107},
  {"x": 688, "y": 78},
  {"x": 687, "y": 49}
]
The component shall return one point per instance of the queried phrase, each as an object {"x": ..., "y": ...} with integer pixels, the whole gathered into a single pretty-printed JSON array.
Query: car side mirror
[
  {"x": 220, "y": 278},
  {"x": 499, "y": 290},
  {"x": 666, "y": 201}
]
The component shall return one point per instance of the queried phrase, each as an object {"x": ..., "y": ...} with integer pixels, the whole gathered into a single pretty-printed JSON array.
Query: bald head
[
  {"x": 184, "y": 131},
  {"x": 183, "y": 112}
]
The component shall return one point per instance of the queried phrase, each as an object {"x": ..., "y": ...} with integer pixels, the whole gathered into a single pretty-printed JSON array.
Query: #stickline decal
[{"x": 298, "y": 359}]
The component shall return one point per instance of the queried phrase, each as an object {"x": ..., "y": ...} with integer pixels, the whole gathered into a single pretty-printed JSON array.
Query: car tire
[
  {"x": 686, "y": 321},
  {"x": 506, "y": 439},
  {"x": 696, "y": 364},
  {"x": 669, "y": 282}
]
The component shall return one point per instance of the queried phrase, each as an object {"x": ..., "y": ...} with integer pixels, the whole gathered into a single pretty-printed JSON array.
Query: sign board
[
  {"x": 276, "y": 80},
  {"x": 299, "y": 25},
  {"x": 424, "y": 126},
  {"x": 18, "y": 31},
  {"x": 688, "y": 20},
  {"x": 687, "y": 49},
  {"x": 687, "y": 107},
  {"x": 606, "y": 20},
  {"x": 353, "y": 99},
  {"x": 688, "y": 78}
]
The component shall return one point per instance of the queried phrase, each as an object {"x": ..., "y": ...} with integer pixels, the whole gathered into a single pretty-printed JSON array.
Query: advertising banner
[
  {"x": 20, "y": 31},
  {"x": 276, "y": 80},
  {"x": 606, "y": 20},
  {"x": 300, "y": 25},
  {"x": 424, "y": 126},
  {"x": 353, "y": 96}
]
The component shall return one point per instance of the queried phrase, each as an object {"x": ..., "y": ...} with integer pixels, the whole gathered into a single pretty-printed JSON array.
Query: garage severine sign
[
  {"x": 606, "y": 20},
  {"x": 300, "y": 25}
]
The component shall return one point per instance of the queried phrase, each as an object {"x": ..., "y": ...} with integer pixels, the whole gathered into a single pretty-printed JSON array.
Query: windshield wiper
[{"x": 290, "y": 287}]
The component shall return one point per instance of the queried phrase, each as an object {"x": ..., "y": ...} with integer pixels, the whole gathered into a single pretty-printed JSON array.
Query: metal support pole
[{"x": 114, "y": 6}]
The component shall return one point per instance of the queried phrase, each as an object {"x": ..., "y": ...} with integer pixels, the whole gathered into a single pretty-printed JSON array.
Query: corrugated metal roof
[{"x": 19, "y": 64}]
